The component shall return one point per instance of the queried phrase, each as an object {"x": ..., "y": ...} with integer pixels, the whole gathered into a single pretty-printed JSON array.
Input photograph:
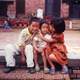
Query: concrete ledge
[{"x": 71, "y": 62}]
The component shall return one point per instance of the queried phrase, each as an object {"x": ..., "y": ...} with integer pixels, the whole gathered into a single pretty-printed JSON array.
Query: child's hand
[
  {"x": 40, "y": 34},
  {"x": 54, "y": 36},
  {"x": 40, "y": 49},
  {"x": 36, "y": 32}
]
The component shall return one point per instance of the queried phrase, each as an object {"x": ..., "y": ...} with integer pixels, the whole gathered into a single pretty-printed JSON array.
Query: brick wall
[
  {"x": 11, "y": 9},
  {"x": 32, "y": 5}
]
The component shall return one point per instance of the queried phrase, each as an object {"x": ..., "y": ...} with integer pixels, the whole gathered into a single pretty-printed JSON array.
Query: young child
[
  {"x": 40, "y": 45},
  {"x": 7, "y": 24},
  {"x": 58, "y": 49}
]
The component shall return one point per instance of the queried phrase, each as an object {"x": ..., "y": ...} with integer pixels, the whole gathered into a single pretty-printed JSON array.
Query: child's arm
[
  {"x": 46, "y": 39},
  {"x": 34, "y": 45}
]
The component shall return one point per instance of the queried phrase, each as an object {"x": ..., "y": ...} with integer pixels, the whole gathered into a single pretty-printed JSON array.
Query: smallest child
[{"x": 40, "y": 45}]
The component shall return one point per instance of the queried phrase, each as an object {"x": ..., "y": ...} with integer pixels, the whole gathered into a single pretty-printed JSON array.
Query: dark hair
[
  {"x": 34, "y": 19},
  {"x": 42, "y": 22},
  {"x": 58, "y": 24}
]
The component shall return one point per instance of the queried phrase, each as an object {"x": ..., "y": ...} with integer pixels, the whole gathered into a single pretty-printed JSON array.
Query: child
[
  {"x": 7, "y": 24},
  {"x": 40, "y": 45},
  {"x": 58, "y": 49}
]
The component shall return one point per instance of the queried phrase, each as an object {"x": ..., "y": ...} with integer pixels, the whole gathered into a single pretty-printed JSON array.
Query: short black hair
[
  {"x": 34, "y": 19},
  {"x": 58, "y": 24},
  {"x": 43, "y": 21}
]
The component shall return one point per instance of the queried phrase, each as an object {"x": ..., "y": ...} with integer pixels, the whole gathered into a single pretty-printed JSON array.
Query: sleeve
[{"x": 22, "y": 38}]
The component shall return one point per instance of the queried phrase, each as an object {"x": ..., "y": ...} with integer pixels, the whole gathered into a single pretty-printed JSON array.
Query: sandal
[
  {"x": 65, "y": 70},
  {"x": 37, "y": 68},
  {"x": 52, "y": 71},
  {"x": 46, "y": 70}
]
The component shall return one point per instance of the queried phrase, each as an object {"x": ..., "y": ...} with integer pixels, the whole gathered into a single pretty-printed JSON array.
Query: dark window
[
  {"x": 52, "y": 8},
  {"x": 20, "y": 6}
]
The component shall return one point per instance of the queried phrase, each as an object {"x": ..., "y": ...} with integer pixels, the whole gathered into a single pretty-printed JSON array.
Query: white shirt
[{"x": 41, "y": 43}]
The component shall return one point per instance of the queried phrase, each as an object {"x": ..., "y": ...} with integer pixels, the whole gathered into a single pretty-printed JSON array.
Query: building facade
[{"x": 62, "y": 8}]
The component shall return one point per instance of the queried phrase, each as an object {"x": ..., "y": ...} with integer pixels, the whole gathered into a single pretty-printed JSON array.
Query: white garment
[
  {"x": 41, "y": 43},
  {"x": 24, "y": 35},
  {"x": 11, "y": 50}
]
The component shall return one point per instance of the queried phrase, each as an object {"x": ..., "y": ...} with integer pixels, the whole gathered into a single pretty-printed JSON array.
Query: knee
[
  {"x": 9, "y": 46},
  {"x": 43, "y": 54},
  {"x": 29, "y": 46},
  {"x": 29, "y": 49}
]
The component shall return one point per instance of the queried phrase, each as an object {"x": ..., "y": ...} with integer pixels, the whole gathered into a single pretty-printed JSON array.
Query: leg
[
  {"x": 29, "y": 57},
  {"x": 10, "y": 51},
  {"x": 44, "y": 59},
  {"x": 53, "y": 58},
  {"x": 64, "y": 67},
  {"x": 58, "y": 57},
  {"x": 52, "y": 70},
  {"x": 49, "y": 60},
  {"x": 46, "y": 70},
  {"x": 37, "y": 68},
  {"x": 35, "y": 57}
]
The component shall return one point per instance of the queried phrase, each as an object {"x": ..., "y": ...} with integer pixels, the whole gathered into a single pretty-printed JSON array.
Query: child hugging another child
[
  {"x": 40, "y": 45},
  {"x": 58, "y": 49}
]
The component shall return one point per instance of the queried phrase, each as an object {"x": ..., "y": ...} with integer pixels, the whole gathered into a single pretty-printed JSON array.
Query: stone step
[
  {"x": 2, "y": 53},
  {"x": 75, "y": 24},
  {"x": 2, "y": 58},
  {"x": 72, "y": 60},
  {"x": 72, "y": 65}
]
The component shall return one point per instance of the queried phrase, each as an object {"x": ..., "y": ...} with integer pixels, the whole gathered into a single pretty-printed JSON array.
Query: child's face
[
  {"x": 34, "y": 27},
  {"x": 45, "y": 28}
]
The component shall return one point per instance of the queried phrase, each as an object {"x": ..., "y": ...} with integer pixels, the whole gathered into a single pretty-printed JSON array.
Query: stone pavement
[{"x": 21, "y": 74}]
